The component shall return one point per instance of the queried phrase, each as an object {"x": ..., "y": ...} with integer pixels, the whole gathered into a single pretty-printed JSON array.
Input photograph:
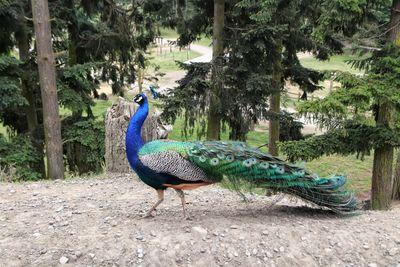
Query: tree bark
[
  {"x": 382, "y": 184},
  {"x": 47, "y": 80},
  {"x": 275, "y": 100},
  {"x": 396, "y": 178},
  {"x": 214, "y": 114}
]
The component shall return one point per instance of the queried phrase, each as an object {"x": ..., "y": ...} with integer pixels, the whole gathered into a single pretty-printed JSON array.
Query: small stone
[
  {"x": 372, "y": 264},
  {"x": 113, "y": 223},
  {"x": 269, "y": 254},
  {"x": 282, "y": 249},
  {"x": 152, "y": 233},
  {"x": 64, "y": 260},
  {"x": 255, "y": 251},
  {"x": 265, "y": 232},
  {"x": 276, "y": 250},
  {"x": 365, "y": 246},
  {"x": 202, "y": 250},
  {"x": 303, "y": 238},
  {"x": 139, "y": 237},
  {"x": 393, "y": 251},
  {"x": 37, "y": 234},
  {"x": 59, "y": 209},
  {"x": 200, "y": 231},
  {"x": 91, "y": 255},
  {"x": 234, "y": 226},
  {"x": 236, "y": 254}
]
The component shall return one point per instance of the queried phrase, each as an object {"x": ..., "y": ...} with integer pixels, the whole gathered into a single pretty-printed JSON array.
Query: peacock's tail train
[
  {"x": 237, "y": 162},
  {"x": 328, "y": 192}
]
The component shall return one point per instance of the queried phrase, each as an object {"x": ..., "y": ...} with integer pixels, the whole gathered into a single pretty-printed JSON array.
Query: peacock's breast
[{"x": 149, "y": 177}]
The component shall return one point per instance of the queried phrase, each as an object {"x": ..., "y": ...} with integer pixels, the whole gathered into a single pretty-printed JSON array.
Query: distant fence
[{"x": 165, "y": 46}]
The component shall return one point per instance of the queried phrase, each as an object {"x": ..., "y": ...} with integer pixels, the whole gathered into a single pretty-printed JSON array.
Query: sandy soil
[{"x": 98, "y": 222}]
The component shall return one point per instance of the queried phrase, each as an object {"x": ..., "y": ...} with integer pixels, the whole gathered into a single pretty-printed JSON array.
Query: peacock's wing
[{"x": 170, "y": 157}]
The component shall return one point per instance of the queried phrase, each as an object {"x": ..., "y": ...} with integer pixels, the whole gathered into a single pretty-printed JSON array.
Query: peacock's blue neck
[{"x": 134, "y": 141}]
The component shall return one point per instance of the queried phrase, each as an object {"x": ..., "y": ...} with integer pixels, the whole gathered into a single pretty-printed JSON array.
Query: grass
[
  {"x": 167, "y": 61},
  {"x": 3, "y": 130},
  {"x": 168, "y": 33},
  {"x": 337, "y": 62},
  {"x": 204, "y": 40},
  {"x": 358, "y": 172}
]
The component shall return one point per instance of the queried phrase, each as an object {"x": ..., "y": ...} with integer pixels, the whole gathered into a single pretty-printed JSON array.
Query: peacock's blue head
[{"x": 140, "y": 99}]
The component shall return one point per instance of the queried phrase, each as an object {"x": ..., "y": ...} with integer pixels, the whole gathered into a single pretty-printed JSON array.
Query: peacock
[{"x": 164, "y": 164}]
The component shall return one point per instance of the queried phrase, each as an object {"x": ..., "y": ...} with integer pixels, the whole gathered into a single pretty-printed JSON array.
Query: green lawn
[
  {"x": 204, "y": 40},
  {"x": 358, "y": 172},
  {"x": 3, "y": 130},
  {"x": 168, "y": 33},
  {"x": 167, "y": 60},
  {"x": 337, "y": 62}
]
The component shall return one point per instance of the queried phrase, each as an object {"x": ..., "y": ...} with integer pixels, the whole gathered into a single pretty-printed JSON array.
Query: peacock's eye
[
  {"x": 264, "y": 165},
  {"x": 230, "y": 158},
  {"x": 214, "y": 161},
  {"x": 247, "y": 162}
]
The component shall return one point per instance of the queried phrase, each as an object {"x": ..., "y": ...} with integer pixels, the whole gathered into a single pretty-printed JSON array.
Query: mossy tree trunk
[
  {"x": 275, "y": 100},
  {"x": 214, "y": 114},
  {"x": 382, "y": 184},
  {"x": 47, "y": 80}
]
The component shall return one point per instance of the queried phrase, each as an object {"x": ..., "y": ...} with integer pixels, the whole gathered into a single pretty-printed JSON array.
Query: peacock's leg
[
  {"x": 160, "y": 193},
  {"x": 182, "y": 197}
]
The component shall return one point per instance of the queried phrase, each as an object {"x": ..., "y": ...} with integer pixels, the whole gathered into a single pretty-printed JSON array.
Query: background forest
[{"x": 348, "y": 84}]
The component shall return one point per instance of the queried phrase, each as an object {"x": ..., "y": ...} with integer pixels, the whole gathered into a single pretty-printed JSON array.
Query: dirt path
[{"x": 97, "y": 222}]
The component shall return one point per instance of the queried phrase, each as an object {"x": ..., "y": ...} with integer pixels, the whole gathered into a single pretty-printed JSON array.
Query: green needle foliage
[{"x": 349, "y": 112}]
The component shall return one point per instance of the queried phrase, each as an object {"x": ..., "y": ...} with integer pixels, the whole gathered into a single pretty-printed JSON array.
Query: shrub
[
  {"x": 18, "y": 158},
  {"x": 83, "y": 144}
]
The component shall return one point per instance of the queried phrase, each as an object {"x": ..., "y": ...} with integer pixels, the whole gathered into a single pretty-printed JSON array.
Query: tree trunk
[
  {"x": 214, "y": 114},
  {"x": 394, "y": 32},
  {"x": 275, "y": 100},
  {"x": 381, "y": 191},
  {"x": 117, "y": 120},
  {"x": 382, "y": 184},
  {"x": 47, "y": 79},
  {"x": 396, "y": 177}
]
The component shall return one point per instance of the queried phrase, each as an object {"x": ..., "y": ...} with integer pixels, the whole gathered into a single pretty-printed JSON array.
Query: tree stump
[{"x": 117, "y": 120}]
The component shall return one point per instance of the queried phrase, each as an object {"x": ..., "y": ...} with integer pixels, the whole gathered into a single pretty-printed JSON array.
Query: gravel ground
[{"x": 98, "y": 222}]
